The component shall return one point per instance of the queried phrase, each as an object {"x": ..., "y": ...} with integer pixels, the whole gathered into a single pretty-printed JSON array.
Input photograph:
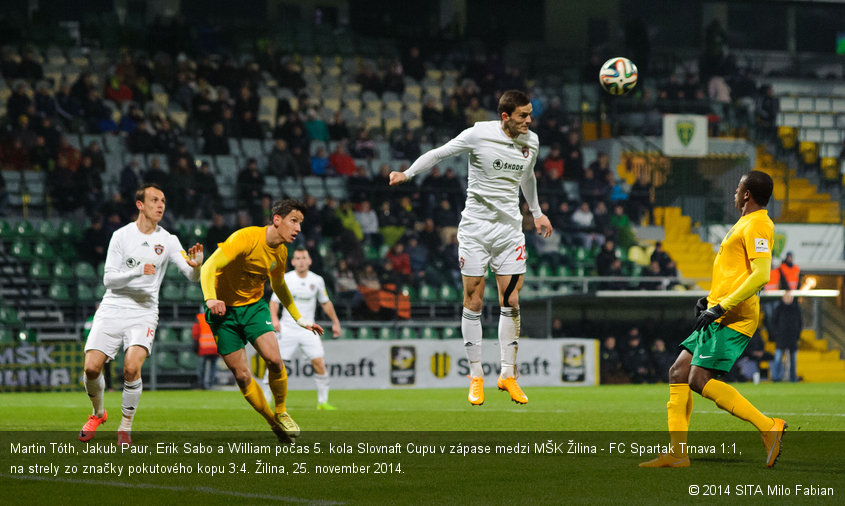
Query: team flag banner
[{"x": 438, "y": 467}]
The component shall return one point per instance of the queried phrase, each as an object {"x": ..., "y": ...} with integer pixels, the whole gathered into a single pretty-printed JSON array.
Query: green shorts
[
  {"x": 239, "y": 325},
  {"x": 716, "y": 347}
]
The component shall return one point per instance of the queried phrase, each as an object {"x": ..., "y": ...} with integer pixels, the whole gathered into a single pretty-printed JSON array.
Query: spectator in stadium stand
[
  {"x": 250, "y": 188},
  {"x": 203, "y": 195},
  {"x": 572, "y": 154},
  {"x": 475, "y": 113},
  {"x": 766, "y": 112},
  {"x": 142, "y": 140},
  {"x": 216, "y": 143},
  {"x": 660, "y": 256},
  {"x": 94, "y": 242},
  {"x": 280, "y": 162},
  {"x": 346, "y": 215},
  {"x": 346, "y": 284},
  {"x": 605, "y": 258},
  {"x": 18, "y": 156},
  {"x": 341, "y": 162},
  {"x": 52, "y": 135},
  {"x": 18, "y": 102},
  {"x": 155, "y": 174},
  {"x": 561, "y": 220},
  {"x": 39, "y": 155},
  {"x": 166, "y": 139},
  {"x": 558, "y": 329},
  {"x": 205, "y": 108},
  {"x": 635, "y": 359},
  {"x": 418, "y": 254},
  {"x": 320, "y": 163},
  {"x": 4, "y": 196},
  {"x": 329, "y": 222},
  {"x": 591, "y": 189},
  {"x": 207, "y": 350},
  {"x": 621, "y": 225},
  {"x": 368, "y": 79},
  {"x": 748, "y": 364},
  {"x": 413, "y": 64},
  {"x": 601, "y": 166},
  {"x": 394, "y": 78},
  {"x": 315, "y": 128},
  {"x": 368, "y": 219},
  {"x": 610, "y": 363},
  {"x": 338, "y": 131},
  {"x": 429, "y": 237},
  {"x": 400, "y": 260},
  {"x": 89, "y": 184},
  {"x": 406, "y": 147},
  {"x": 640, "y": 200},
  {"x": 247, "y": 126},
  {"x": 181, "y": 183},
  {"x": 130, "y": 179},
  {"x": 302, "y": 160},
  {"x": 787, "y": 276},
  {"x": 553, "y": 164},
  {"x": 45, "y": 103},
  {"x": 364, "y": 146},
  {"x": 445, "y": 216},
  {"x": 432, "y": 117},
  {"x": 359, "y": 185},
  {"x": 661, "y": 360},
  {"x": 116, "y": 90},
  {"x": 785, "y": 327},
  {"x": 601, "y": 218},
  {"x": 454, "y": 119},
  {"x": 582, "y": 218},
  {"x": 98, "y": 159},
  {"x": 369, "y": 278},
  {"x": 217, "y": 232},
  {"x": 9, "y": 64},
  {"x": 652, "y": 270},
  {"x": 58, "y": 185}
]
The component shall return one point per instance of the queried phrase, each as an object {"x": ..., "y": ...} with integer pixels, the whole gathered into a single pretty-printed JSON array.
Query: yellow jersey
[
  {"x": 751, "y": 237},
  {"x": 251, "y": 263}
]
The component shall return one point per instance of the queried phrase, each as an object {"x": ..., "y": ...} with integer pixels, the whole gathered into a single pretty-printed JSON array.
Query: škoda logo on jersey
[{"x": 498, "y": 164}]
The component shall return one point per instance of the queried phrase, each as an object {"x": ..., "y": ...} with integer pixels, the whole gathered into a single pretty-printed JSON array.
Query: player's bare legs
[
  {"x": 471, "y": 331},
  {"x": 277, "y": 378},
  {"x": 508, "y": 289},
  {"x": 95, "y": 385}
]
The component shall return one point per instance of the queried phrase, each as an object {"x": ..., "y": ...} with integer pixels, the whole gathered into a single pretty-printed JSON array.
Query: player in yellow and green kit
[
  {"x": 726, "y": 320},
  {"x": 233, "y": 281}
]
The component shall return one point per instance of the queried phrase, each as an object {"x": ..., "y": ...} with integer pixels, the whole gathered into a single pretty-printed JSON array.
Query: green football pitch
[{"x": 568, "y": 445}]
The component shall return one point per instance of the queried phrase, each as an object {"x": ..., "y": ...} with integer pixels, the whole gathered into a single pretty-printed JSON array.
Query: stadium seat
[
  {"x": 166, "y": 361},
  {"x": 408, "y": 333},
  {"x": 68, "y": 231},
  {"x": 166, "y": 335},
  {"x": 386, "y": 333},
  {"x": 188, "y": 360},
  {"x": 430, "y": 333},
  {"x": 39, "y": 270},
  {"x": 47, "y": 230},
  {"x": 172, "y": 292},
  {"x": 427, "y": 293},
  {"x": 83, "y": 270},
  {"x": 447, "y": 293},
  {"x": 84, "y": 292},
  {"x": 9, "y": 316},
  {"x": 24, "y": 229},
  {"x": 42, "y": 249},
  {"x": 59, "y": 292},
  {"x": 451, "y": 333},
  {"x": 490, "y": 332},
  {"x": 365, "y": 333},
  {"x": 99, "y": 290},
  {"x": 5, "y": 229},
  {"x": 61, "y": 270},
  {"x": 7, "y": 336},
  {"x": 193, "y": 293},
  {"x": 346, "y": 333}
]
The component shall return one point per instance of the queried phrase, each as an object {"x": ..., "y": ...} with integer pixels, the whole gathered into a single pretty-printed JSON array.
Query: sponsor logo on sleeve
[{"x": 761, "y": 245}]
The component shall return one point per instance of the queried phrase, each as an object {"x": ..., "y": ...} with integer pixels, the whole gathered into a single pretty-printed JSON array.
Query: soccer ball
[{"x": 618, "y": 75}]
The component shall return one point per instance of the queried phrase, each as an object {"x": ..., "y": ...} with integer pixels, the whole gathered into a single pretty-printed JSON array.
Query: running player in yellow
[
  {"x": 726, "y": 320},
  {"x": 233, "y": 287}
]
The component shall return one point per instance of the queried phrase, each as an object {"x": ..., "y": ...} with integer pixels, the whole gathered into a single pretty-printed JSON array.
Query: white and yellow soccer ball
[{"x": 618, "y": 75}]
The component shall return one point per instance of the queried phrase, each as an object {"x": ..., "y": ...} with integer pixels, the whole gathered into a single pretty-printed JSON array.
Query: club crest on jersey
[
  {"x": 159, "y": 249},
  {"x": 311, "y": 286},
  {"x": 525, "y": 151}
]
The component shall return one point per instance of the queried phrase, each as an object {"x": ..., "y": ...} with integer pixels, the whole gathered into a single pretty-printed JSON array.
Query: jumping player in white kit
[
  {"x": 136, "y": 262},
  {"x": 307, "y": 289},
  {"x": 502, "y": 158}
]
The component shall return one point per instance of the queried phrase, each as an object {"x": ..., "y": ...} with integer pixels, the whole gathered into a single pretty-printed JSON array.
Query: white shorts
[
  {"x": 291, "y": 339},
  {"x": 482, "y": 243},
  {"x": 113, "y": 327}
]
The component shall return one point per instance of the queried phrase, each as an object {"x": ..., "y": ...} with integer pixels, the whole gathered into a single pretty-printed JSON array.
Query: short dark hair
[
  {"x": 301, "y": 248},
  {"x": 284, "y": 207},
  {"x": 760, "y": 185},
  {"x": 510, "y": 100},
  {"x": 141, "y": 194}
]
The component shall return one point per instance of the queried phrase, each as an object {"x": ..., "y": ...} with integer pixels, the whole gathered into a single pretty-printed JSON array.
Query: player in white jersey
[
  {"x": 502, "y": 158},
  {"x": 307, "y": 289},
  {"x": 136, "y": 262}
]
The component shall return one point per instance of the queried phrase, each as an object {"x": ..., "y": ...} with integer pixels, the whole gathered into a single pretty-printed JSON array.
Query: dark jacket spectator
[
  {"x": 280, "y": 161},
  {"x": 216, "y": 142}
]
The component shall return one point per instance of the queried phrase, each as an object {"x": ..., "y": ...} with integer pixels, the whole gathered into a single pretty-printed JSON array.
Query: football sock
[
  {"x": 471, "y": 330},
  {"x": 322, "y": 381},
  {"x": 508, "y": 339},
  {"x": 679, "y": 408},
  {"x": 95, "y": 388},
  {"x": 729, "y": 399},
  {"x": 131, "y": 396},
  {"x": 278, "y": 382},
  {"x": 255, "y": 398}
]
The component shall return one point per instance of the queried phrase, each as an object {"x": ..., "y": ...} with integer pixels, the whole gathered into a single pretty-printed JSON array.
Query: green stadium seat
[
  {"x": 84, "y": 270},
  {"x": 346, "y": 333},
  {"x": 101, "y": 270},
  {"x": 447, "y": 293},
  {"x": 26, "y": 335},
  {"x": 9, "y": 316},
  {"x": 430, "y": 333},
  {"x": 490, "y": 332},
  {"x": 188, "y": 360},
  {"x": 427, "y": 293},
  {"x": 166, "y": 361},
  {"x": 47, "y": 230},
  {"x": 5, "y": 229},
  {"x": 409, "y": 291},
  {"x": 371, "y": 253},
  {"x": 166, "y": 335},
  {"x": 544, "y": 270},
  {"x": 85, "y": 292},
  {"x": 99, "y": 290},
  {"x": 172, "y": 292},
  {"x": 451, "y": 333},
  {"x": 408, "y": 333},
  {"x": 7, "y": 336},
  {"x": 42, "y": 249},
  {"x": 185, "y": 335},
  {"x": 324, "y": 248},
  {"x": 24, "y": 229},
  {"x": 61, "y": 270},
  {"x": 39, "y": 270},
  {"x": 365, "y": 333},
  {"x": 20, "y": 249},
  {"x": 59, "y": 292},
  {"x": 386, "y": 333},
  {"x": 196, "y": 234},
  {"x": 491, "y": 293},
  {"x": 193, "y": 293},
  {"x": 68, "y": 231}
]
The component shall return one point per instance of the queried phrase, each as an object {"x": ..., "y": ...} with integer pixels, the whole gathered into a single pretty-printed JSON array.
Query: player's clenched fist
[
  {"x": 217, "y": 307},
  {"x": 149, "y": 269},
  {"x": 397, "y": 178}
]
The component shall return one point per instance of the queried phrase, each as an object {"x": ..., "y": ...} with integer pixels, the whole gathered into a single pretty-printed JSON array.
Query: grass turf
[{"x": 593, "y": 417}]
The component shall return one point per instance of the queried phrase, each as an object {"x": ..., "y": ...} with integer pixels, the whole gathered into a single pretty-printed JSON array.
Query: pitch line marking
[{"x": 207, "y": 490}]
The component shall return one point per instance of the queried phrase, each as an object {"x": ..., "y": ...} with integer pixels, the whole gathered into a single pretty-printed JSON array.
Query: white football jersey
[
  {"x": 129, "y": 250},
  {"x": 498, "y": 166},
  {"x": 306, "y": 292}
]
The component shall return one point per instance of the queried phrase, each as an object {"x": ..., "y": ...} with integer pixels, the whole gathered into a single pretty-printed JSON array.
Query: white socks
[
  {"x": 131, "y": 397},
  {"x": 95, "y": 389},
  {"x": 322, "y": 381},
  {"x": 508, "y": 339},
  {"x": 471, "y": 330}
]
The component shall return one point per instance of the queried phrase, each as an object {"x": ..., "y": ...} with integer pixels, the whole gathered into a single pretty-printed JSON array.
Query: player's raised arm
[
  {"x": 189, "y": 263},
  {"x": 208, "y": 281},
  {"x": 280, "y": 288},
  {"x": 434, "y": 156}
]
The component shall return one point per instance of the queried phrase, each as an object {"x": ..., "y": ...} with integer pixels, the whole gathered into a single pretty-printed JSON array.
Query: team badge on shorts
[
  {"x": 159, "y": 249},
  {"x": 461, "y": 262},
  {"x": 525, "y": 151}
]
